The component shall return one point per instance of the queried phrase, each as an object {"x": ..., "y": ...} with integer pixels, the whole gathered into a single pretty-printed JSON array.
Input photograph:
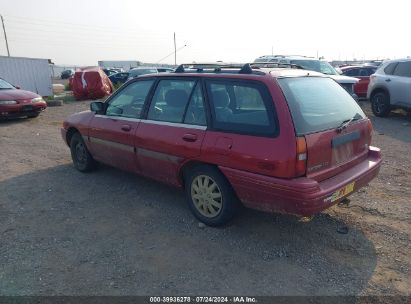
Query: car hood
[
  {"x": 17, "y": 95},
  {"x": 344, "y": 79}
]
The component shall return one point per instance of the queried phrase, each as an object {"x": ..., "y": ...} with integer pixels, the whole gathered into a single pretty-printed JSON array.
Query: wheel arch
[
  {"x": 70, "y": 132},
  {"x": 378, "y": 90},
  {"x": 187, "y": 166}
]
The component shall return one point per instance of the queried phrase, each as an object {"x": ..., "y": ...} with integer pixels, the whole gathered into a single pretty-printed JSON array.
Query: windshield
[
  {"x": 316, "y": 65},
  {"x": 318, "y": 103},
  {"x": 4, "y": 85}
]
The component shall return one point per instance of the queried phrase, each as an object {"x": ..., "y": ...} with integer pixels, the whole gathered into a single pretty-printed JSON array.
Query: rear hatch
[{"x": 336, "y": 131}]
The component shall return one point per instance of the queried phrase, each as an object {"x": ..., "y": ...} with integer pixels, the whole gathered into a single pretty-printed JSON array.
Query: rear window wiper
[{"x": 346, "y": 122}]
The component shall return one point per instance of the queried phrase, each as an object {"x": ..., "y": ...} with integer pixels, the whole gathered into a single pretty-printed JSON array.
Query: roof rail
[
  {"x": 217, "y": 67},
  {"x": 247, "y": 68}
]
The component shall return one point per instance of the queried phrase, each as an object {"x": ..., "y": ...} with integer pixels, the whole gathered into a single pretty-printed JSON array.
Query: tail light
[{"x": 301, "y": 161}]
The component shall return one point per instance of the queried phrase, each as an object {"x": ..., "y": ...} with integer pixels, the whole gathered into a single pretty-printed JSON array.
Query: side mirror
[
  {"x": 17, "y": 87},
  {"x": 97, "y": 107}
]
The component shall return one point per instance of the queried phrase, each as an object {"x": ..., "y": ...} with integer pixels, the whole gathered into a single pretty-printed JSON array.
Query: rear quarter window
[
  {"x": 318, "y": 103},
  {"x": 403, "y": 69},
  {"x": 389, "y": 69},
  {"x": 244, "y": 107}
]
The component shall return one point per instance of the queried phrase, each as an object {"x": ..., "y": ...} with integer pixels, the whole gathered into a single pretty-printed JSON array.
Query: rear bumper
[
  {"x": 300, "y": 196},
  {"x": 21, "y": 110}
]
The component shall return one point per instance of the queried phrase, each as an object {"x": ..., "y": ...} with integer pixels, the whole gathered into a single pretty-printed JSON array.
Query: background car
[
  {"x": 66, "y": 74},
  {"x": 19, "y": 103},
  {"x": 119, "y": 78},
  {"x": 390, "y": 87},
  {"x": 111, "y": 71},
  {"x": 133, "y": 73},
  {"x": 313, "y": 64},
  {"x": 363, "y": 74}
]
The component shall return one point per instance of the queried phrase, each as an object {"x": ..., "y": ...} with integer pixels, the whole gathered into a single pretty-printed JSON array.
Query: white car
[
  {"x": 390, "y": 87},
  {"x": 312, "y": 64}
]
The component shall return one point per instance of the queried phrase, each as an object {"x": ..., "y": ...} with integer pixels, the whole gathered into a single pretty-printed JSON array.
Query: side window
[
  {"x": 196, "y": 114},
  {"x": 352, "y": 72},
  {"x": 371, "y": 71},
  {"x": 403, "y": 69},
  {"x": 170, "y": 100},
  {"x": 363, "y": 73},
  {"x": 129, "y": 102},
  {"x": 241, "y": 107},
  {"x": 389, "y": 69}
]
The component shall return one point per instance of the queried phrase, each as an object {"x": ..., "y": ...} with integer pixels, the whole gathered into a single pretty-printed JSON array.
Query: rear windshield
[{"x": 318, "y": 103}]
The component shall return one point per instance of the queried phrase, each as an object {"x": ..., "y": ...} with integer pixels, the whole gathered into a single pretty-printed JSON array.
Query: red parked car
[
  {"x": 277, "y": 140},
  {"x": 363, "y": 73},
  {"x": 19, "y": 103}
]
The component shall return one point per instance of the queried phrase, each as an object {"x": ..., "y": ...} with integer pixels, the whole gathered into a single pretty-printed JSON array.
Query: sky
[{"x": 81, "y": 32}]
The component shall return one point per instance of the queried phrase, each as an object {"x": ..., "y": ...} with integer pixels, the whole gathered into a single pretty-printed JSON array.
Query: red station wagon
[{"x": 277, "y": 140}]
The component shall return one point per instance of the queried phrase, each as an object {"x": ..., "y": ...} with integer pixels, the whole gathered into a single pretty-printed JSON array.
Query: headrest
[
  {"x": 176, "y": 98},
  {"x": 221, "y": 99}
]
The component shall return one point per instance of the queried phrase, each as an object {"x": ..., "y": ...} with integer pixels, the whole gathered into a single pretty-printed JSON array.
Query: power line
[
  {"x": 82, "y": 27},
  {"x": 172, "y": 53},
  {"x": 5, "y": 36}
]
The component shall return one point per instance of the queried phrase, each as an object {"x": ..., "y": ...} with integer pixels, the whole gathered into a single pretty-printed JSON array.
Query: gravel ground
[{"x": 113, "y": 233}]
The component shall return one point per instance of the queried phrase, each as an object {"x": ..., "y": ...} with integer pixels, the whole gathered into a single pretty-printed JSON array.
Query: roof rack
[
  {"x": 217, "y": 67},
  {"x": 244, "y": 68}
]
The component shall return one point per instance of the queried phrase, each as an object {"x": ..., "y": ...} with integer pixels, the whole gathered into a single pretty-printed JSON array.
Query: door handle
[
  {"x": 190, "y": 137},
  {"x": 388, "y": 80},
  {"x": 126, "y": 128}
]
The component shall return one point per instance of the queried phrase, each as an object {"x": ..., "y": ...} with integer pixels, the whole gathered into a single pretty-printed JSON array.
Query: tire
[
  {"x": 82, "y": 159},
  {"x": 33, "y": 115},
  {"x": 380, "y": 104},
  {"x": 210, "y": 196}
]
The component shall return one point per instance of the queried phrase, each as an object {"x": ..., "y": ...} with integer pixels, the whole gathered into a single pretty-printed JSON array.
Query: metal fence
[{"x": 29, "y": 74}]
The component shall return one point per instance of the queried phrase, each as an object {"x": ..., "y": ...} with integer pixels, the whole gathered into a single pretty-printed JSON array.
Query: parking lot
[{"x": 113, "y": 233}]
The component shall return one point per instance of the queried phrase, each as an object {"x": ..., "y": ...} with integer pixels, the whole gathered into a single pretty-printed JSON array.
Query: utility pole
[
  {"x": 5, "y": 36},
  {"x": 175, "y": 50}
]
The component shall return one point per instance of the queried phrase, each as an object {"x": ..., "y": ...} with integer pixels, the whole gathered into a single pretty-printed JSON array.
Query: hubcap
[
  {"x": 206, "y": 196},
  {"x": 379, "y": 103},
  {"x": 81, "y": 155}
]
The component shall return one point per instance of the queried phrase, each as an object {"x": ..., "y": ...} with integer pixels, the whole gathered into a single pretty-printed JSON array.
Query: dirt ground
[{"x": 113, "y": 233}]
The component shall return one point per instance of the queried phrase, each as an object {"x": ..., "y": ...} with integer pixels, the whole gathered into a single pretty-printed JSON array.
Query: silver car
[
  {"x": 390, "y": 87},
  {"x": 312, "y": 64}
]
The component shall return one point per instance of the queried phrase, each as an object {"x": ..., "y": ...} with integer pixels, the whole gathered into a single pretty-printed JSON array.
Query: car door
[
  {"x": 355, "y": 72},
  {"x": 400, "y": 85},
  {"x": 243, "y": 120},
  {"x": 111, "y": 135},
  {"x": 173, "y": 130},
  {"x": 361, "y": 87}
]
